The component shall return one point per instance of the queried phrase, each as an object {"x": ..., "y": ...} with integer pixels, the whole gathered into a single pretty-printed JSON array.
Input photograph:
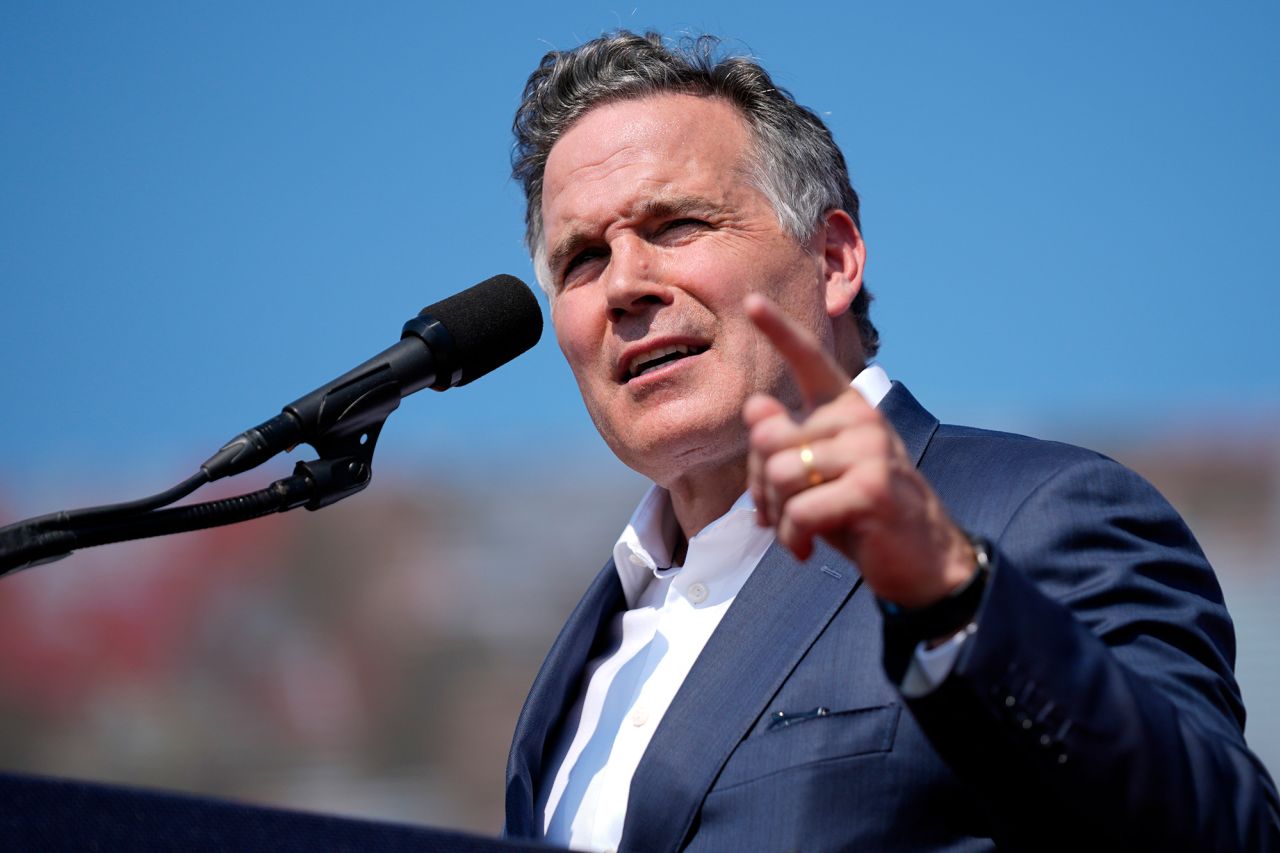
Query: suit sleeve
[{"x": 1095, "y": 705}]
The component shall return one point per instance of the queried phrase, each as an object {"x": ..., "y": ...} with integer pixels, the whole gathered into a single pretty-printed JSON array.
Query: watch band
[{"x": 947, "y": 615}]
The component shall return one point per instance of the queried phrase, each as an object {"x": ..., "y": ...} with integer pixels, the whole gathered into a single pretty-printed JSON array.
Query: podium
[{"x": 47, "y": 814}]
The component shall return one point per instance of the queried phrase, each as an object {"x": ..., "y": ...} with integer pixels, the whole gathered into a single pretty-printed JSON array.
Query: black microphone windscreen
[{"x": 491, "y": 323}]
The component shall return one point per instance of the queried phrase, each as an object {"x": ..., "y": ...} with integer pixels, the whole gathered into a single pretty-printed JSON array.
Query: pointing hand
[{"x": 839, "y": 470}]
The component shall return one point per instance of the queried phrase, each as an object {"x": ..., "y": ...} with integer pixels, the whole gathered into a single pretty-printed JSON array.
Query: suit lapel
[
  {"x": 553, "y": 691},
  {"x": 912, "y": 421},
  {"x": 780, "y": 612}
]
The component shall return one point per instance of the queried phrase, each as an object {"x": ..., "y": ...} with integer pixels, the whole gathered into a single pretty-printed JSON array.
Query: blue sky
[{"x": 207, "y": 209}]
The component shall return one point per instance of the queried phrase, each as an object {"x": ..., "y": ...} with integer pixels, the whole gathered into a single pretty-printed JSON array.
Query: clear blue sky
[{"x": 207, "y": 209}]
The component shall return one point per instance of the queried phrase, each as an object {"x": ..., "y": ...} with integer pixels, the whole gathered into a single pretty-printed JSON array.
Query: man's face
[{"x": 654, "y": 234}]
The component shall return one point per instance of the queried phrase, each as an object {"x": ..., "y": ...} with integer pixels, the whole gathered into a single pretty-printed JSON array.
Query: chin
[{"x": 677, "y": 440}]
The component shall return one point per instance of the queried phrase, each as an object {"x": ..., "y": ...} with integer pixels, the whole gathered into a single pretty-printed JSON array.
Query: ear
[{"x": 844, "y": 256}]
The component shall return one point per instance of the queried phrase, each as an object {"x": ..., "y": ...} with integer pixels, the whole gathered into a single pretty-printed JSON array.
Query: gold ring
[{"x": 806, "y": 459}]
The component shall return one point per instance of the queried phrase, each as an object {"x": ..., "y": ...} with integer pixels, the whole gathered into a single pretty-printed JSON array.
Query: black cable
[
  {"x": 98, "y": 513},
  {"x": 45, "y": 543},
  {"x": 290, "y": 492},
  {"x": 66, "y": 519}
]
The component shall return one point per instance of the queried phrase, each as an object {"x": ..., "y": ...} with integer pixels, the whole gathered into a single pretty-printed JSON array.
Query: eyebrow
[
  {"x": 654, "y": 208},
  {"x": 567, "y": 248}
]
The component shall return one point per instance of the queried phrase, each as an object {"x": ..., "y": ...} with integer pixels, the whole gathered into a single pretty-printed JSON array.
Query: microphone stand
[
  {"x": 344, "y": 468},
  {"x": 492, "y": 322}
]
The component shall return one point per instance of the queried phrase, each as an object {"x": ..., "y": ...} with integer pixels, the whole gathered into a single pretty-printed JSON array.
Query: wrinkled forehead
[{"x": 669, "y": 136}]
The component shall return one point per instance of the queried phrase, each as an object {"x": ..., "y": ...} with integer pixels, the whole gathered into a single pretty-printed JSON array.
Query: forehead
[{"x": 644, "y": 147}]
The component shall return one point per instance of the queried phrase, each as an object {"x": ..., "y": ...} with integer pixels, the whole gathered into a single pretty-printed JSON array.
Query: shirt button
[
  {"x": 639, "y": 717},
  {"x": 697, "y": 592},
  {"x": 636, "y": 560}
]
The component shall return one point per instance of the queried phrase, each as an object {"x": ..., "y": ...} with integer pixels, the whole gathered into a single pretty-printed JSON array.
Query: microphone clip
[{"x": 331, "y": 480}]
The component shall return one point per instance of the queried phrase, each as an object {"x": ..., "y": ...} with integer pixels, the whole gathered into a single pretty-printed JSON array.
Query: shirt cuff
[{"x": 930, "y": 667}]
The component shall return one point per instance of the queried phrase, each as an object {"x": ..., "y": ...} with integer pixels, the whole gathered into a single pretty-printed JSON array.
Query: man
[{"x": 832, "y": 623}]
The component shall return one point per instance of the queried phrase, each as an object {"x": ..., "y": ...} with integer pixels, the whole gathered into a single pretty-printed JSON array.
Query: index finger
[{"x": 820, "y": 378}]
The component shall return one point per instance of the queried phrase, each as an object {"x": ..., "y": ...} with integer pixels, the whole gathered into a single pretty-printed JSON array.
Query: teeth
[{"x": 651, "y": 359}]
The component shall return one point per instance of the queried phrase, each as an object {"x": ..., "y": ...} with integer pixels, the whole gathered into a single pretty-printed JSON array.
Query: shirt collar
[
  {"x": 872, "y": 383},
  {"x": 643, "y": 551}
]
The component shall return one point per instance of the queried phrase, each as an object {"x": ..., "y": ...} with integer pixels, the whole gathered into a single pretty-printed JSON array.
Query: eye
[
  {"x": 578, "y": 263},
  {"x": 678, "y": 227}
]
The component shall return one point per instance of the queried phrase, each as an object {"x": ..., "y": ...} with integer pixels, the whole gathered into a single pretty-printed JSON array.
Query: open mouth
[{"x": 654, "y": 359}]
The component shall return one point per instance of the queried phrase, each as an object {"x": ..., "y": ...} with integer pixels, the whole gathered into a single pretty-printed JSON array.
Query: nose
[{"x": 635, "y": 283}]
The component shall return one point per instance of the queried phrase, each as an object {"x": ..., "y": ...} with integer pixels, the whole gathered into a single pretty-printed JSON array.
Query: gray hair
[{"x": 797, "y": 165}]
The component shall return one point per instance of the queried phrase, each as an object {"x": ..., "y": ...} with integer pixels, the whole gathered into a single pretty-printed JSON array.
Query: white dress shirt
[{"x": 672, "y": 612}]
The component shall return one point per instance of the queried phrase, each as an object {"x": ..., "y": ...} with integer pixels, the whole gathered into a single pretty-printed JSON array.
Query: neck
[{"x": 697, "y": 499}]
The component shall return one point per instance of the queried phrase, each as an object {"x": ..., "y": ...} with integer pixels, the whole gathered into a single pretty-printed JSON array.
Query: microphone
[{"x": 450, "y": 343}]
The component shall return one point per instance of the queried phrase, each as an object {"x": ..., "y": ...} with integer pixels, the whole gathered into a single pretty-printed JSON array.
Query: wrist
[{"x": 954, "y": 611}]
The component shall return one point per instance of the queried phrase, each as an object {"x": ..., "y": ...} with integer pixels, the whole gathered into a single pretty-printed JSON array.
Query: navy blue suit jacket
[{"x": 1095, "y": 706}]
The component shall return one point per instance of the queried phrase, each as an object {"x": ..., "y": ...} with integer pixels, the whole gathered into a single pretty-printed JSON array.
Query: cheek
[{"x": 577, "y": 339}]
